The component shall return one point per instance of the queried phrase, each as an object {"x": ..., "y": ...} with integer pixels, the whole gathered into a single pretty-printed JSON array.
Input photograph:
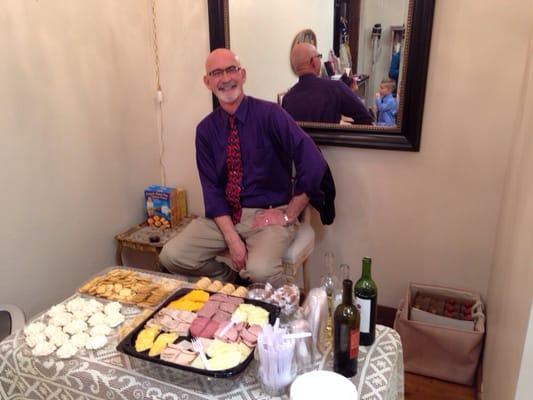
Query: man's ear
[
  {"x": 206, "y": 82},
  {"x": 243, "y": 75}
]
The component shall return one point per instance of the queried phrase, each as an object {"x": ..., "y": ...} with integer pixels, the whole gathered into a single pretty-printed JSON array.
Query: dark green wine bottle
[
  {"x": 366, "y": 300},
  {"x": 346, "y": 333}
]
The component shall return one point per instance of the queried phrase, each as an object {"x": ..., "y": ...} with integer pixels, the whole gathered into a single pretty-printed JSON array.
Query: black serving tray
[{"x": 127, "y": 345}]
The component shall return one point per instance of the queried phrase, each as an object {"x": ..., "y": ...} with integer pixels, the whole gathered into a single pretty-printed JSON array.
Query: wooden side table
[{"x": 135, "y": 249}]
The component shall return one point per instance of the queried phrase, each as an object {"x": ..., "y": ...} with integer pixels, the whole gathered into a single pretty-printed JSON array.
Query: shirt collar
[
  {"x": 307, "y": 77},
  {"x": 241, "y": 113}
]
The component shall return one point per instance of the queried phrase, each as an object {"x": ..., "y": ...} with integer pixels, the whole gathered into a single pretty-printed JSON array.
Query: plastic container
[{"x": 127, "y": 345}]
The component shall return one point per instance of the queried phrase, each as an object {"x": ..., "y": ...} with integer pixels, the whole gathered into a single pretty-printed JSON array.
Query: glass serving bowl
[{"x": 256, "y": 291}]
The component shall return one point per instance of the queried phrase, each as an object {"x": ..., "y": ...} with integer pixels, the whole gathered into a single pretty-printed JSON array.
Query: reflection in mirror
[
  {"x": 262, "y": 34},
  {"x": 369, "y": 35}
]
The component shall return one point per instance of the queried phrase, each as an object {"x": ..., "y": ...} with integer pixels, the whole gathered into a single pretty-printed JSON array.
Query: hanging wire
[{"x": 159, "y": 96}]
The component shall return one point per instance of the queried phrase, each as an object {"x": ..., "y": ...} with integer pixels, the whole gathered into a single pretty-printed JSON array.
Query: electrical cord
[{"x": 159, "y": 96}]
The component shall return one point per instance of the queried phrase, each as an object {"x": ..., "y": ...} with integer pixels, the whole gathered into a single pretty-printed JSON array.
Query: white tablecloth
[{"x": 108, "y": 374}]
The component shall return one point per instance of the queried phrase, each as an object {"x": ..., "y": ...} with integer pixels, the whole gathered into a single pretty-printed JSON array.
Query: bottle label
[
  {"x": 364, "y": 306},
  {"x": 354, "y": 343}
]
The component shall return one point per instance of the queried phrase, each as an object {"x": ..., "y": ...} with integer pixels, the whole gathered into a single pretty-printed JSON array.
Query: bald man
[
  {"x": 317, "y": 99},
  {"x": 245, "y": 150}
]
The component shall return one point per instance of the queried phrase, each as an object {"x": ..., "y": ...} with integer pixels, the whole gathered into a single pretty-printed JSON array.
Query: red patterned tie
[{"x": 234, "y": 166}]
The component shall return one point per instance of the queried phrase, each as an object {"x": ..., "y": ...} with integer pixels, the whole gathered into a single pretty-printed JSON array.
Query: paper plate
[{"x": 323, "y": 385}]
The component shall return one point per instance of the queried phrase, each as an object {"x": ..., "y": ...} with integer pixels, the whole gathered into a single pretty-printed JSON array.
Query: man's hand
[
  {"x": 378, "y": 96},
  {"x": 237, "y": 250},
  {"x": 272, "y": 216}
]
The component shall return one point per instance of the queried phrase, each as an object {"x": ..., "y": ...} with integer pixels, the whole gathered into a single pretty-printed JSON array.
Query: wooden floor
[{"x": 422, "y": 388}]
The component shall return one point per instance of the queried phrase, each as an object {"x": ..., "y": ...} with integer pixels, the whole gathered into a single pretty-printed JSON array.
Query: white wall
[
  {"x": 511, "y": 283},
  {"x": 78, "y": 135},
  {"x": 524, "y": 387},
  {"x": 262, "y": 31},
  {"x": 184, "y": 45}
]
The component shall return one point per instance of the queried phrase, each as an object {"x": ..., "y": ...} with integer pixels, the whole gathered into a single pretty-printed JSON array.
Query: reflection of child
[
  {"x": 386, "y": 105},
  {"x": 149, "y": 206}
]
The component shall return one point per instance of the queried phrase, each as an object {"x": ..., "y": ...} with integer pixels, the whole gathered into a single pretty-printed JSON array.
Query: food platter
[{"x": 130, "y": 344}]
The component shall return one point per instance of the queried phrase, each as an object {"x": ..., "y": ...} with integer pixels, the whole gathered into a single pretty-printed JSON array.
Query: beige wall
[
  {"x": 262, "y": 32},
  {"x": 511, "y": 283},
  {"x": 432, "y": 216},
  {"x": 78, "y": 135}
]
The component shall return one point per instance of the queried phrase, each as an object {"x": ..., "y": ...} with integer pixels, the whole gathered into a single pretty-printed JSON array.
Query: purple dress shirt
[
  {"x": 322, "y": 100},
  {"x": 271, "y": 142}
]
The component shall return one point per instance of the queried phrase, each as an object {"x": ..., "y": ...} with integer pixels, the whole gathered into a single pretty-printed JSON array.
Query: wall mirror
[{"x": 367, "y": 40}]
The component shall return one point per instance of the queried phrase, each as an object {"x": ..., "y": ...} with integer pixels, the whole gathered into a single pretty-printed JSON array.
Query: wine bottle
[
  {"x": 366, "y": 300},
  {"x": 346, "y": 334}
]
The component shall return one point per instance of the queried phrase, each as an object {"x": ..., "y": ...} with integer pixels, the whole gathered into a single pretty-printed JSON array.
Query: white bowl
[{"x": 323, "y": 385}]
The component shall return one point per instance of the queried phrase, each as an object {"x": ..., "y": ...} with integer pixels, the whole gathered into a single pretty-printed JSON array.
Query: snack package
[{"x": 165, "y": 206}]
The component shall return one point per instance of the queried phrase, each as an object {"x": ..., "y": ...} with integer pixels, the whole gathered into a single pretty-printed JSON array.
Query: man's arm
[
  {"x": 276, "y": 216},
  {"x": 352, "y": 107},
  {"x": 309, "y": 164},
  {"x": 236, "y": 246}
]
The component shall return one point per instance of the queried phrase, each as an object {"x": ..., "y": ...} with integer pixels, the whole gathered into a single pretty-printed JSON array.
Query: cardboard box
[{"x": 165, "y": 206}]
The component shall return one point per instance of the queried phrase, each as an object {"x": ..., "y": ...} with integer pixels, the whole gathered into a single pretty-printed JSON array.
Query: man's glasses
[{"x": 218, "y": 73}]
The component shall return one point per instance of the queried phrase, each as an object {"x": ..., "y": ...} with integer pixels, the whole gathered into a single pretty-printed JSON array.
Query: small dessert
[
  {"x": 203, "y": 283},
  {"x": 96, "y": 342}
]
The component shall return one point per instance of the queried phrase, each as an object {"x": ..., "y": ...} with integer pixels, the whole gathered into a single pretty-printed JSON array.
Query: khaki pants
[{"x": 201, "y": 241}]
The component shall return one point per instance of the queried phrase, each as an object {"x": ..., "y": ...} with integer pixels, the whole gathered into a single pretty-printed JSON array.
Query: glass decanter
[{"x": 330, "y": 283}]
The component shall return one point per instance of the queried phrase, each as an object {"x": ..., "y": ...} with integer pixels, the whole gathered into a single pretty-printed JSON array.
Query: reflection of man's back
[
  {"x": 321, "y": 100},
  {"x": 316, "y": 99}
]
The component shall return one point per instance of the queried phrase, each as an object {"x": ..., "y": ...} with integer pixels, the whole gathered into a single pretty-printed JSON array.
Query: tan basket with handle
[{"x": 442, "y": 352}]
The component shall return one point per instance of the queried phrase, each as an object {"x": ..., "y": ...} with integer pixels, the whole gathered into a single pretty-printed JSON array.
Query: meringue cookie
[
  {"x": 75, "y": 304},
  {"x": 35, "y": 338},
  {"x": 76, "y": 326},
  {"x": 79, "y": 339},
  {"x": 93, "y": 306},
  {"x": 52, "y": 330},
  {"x": 112, "y": 308},
  {"x": 57, "y": 309},
  {"x": 81, "y": 315},
  {"x": 61, "y": 319},
  {"x": 100, "y": 330},
  {"x": 114, "y": 320},
  {"x": 60, "y": 339},
  {"x": 96, "y": 342},
  {"x": 34, "y": 328},
  {"x": 97, "y": 319},
  {"x": 67, "y": 350},
  {"x": 43, "y": 349}
]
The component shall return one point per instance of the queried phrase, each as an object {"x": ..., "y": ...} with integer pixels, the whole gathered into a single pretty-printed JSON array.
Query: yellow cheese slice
[
  {"x": 162, "y": 342},
  {"x": 145, "y": 338},
  {"x": 225, "y": 360}
]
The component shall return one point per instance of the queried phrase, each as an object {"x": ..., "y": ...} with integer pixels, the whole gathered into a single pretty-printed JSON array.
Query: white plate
[{"x": 323, "y": 385}]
